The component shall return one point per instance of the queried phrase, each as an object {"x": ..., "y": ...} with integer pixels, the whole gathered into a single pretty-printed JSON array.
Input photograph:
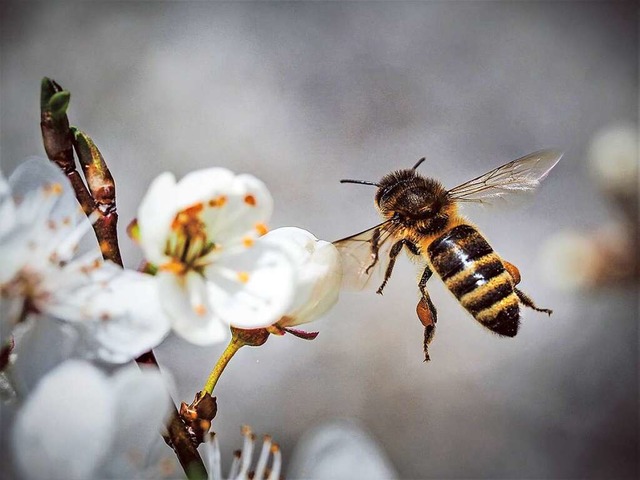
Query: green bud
[{"x": 58, "y": 104}]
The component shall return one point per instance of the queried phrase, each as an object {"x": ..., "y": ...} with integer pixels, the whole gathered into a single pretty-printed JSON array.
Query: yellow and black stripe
[{"x": 474, "y": 273}]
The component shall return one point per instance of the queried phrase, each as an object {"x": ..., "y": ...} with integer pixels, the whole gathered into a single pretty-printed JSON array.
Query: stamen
[
  {"x": 277, "y": 462},
  {"x": 243, "y": 277},
  {"x": 264, "y": 457},
  {"x": 247, "y": 450},
  {"x": 214, "y": 464},
  {"x": 200, "y": 309},
  {"x": 250, "y": 200},
  {"x": 235, "y": 465}
]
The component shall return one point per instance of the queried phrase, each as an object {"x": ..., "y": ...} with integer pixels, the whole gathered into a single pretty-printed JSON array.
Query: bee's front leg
[
  {"x": 375, "y": 247},
  {"x": 426, "y": 311},
  {"x": 524, "y": 298}
]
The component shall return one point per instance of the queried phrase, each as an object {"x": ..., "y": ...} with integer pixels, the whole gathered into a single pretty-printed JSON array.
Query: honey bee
[{"x": 421, "y": 216}]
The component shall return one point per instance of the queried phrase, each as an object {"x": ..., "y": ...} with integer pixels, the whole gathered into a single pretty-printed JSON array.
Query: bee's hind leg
[
  {"x": 427, "y": 313},
  {"x": 526, "y": 300},
  {"x": 523, "y": 297}
]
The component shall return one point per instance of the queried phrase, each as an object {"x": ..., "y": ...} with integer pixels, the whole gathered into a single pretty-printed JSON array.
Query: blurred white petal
[
  {"x": 41, "y": 345},
  {"x": 142, "y": 406},
  {"x": 66, "y": 427}
]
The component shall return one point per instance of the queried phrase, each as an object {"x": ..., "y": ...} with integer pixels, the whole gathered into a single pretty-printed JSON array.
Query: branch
[{"x": 59, "y": 140}]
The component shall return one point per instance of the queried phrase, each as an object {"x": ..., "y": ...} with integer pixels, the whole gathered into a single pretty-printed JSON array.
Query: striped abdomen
[{"x": 474, "y": 273}]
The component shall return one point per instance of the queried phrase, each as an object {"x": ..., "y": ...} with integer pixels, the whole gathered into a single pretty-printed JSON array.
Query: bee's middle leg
[
  {"x": 393, "y": 254},
  {"x": 426, "y": 311},
  {"x": 523, "y": 297}
]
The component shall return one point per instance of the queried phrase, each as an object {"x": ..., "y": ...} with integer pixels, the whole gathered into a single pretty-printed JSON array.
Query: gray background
[{"x": 303, "y": 94}]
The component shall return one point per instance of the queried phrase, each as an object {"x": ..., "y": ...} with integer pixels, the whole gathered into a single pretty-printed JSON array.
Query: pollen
[
  {"x": 261, "y": 228},
  {"x": 200, "y": 309},
  {"x": 248, "y": 241},
  {"x": 53, "y": 189},
  {"x": 250, "y": 200},
  {"x": 218, "y": 201},
  {"x": 243, "y": 277},
  {"x": 173, "y": 267}
]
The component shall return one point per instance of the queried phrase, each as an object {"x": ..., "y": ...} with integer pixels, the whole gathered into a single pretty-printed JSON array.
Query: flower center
[{"x": 188, "y": 243}]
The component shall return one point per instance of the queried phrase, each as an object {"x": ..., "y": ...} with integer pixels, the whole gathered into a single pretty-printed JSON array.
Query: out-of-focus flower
[
  {"x": 607, "y": 256},
  {"x": 242, "y": 467},
  {"x": 340, "y": 450},
  {"x": 319, "y": 270},
  {"x": 613, "y": 155},
  {"x": 43, "y": 274},
  {"x": 78, "y": 423}
]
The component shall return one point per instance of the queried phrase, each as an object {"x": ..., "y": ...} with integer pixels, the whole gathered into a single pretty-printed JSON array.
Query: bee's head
[{"x": 406, "y": 195}]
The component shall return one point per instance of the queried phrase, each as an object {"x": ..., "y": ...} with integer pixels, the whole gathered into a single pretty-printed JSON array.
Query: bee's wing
[
  {"x": 521, "y": 175},
  {"x": 357, "y": 253}
]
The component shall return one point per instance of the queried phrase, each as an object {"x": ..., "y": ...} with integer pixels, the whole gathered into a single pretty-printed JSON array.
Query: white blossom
[
  {"x": 202, "y": 234},
  {"x": 44, "y": 274}
]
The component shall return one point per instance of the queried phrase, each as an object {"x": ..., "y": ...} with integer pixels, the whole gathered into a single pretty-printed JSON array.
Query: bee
[{"x": 421, "y": 217}]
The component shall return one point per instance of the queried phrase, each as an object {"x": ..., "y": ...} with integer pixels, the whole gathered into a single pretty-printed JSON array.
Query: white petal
[
  {"x": 38, "y": 173},
  {"x": 142, "y": 405},
  {"x": 43, "y": 344},
  {"x": 66, "y": 426},
  {"x": 203, "y": 185},
  {"x": 7, "y": 207},
  {"x": 136, "y": 322},
  {"x": 318, "y": 269},
  {"x": 186, "y": 301},
  {"x": 254, "y": 288},
  {"x": 249, "y": 206},
  {"x": 155, "y": 215}
]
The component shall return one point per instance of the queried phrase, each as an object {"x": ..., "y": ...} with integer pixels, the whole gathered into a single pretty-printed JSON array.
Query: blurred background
[{"x": 304, "y": 94}]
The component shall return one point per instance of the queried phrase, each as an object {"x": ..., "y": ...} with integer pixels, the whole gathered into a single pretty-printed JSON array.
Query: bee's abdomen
[{"x": 474, "y": 273}]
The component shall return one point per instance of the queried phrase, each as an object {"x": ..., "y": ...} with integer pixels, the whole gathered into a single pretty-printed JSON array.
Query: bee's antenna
[
  {"x": 360, "y": 182},
  {"x": 419, "y": 162}
]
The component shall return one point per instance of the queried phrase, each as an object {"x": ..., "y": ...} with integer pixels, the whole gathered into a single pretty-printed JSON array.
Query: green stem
[{"x": 229, "y": 352}]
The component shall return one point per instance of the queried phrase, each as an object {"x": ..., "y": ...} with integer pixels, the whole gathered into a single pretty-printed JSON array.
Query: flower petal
[
  {"x": 37, "y": 174},
  {"x": 318, "y": 269},
  {"x": 41, "y": 345},
  {"x": 185, "y": 299},
  {"x": 253, "y": 288},
  {"x": 137, "y": 323},
  {"x": 155, "y": 215},
  {"x": 249, "y": 208},
  {"x": 142, "y": 405},
  {"x": 65, "y": 428},
  {"x": 203, "y": 185}
]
